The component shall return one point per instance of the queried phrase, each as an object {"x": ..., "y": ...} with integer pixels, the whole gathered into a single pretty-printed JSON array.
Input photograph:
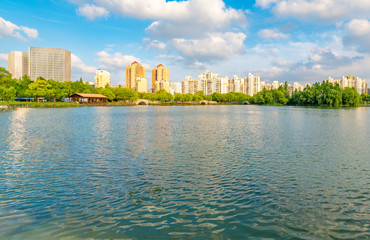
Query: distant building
[
  {"x": 175, "y": 88},
  {"x": 275, "y": 85},
  {"x": 49, "y": 63},
  {"x": 212, "y": 82},
  {"x": 162, "y": 85},
  {"x": 160, "y": 74},
  {"x": 134, "y": 71},
  {"x": 102, "y": 78},
  {"x": 18, "y": 64},
  {"x": 351, "y": 82},
  {"x": 141, "y": 85}
]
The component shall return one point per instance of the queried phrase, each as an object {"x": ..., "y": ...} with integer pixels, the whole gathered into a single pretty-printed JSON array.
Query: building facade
[
  {"x": 175, "y": 88},
  {"x": 134, "y": 71},
  {"x": 352, "y": 82},
  {"x": 102, "y": 78},
  {"x": 49, "y": 63},
  {"x": 18, "y": 64},
  {"x": 160, "y": 74},
  {"x": 141, "y": 85}
]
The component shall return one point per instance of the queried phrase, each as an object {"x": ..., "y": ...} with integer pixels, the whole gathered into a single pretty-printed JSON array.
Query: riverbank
[{"x": 14, "y": 105}]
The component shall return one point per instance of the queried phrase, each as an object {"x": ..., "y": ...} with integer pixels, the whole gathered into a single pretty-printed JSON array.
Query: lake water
[{"x": 186, "y": 172}]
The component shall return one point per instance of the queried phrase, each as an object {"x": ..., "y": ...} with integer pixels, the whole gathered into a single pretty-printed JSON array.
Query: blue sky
[{"x": 284, "y": 40}]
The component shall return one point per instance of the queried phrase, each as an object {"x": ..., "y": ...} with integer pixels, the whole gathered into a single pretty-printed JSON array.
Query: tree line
[{"x": 320, "y": 94}]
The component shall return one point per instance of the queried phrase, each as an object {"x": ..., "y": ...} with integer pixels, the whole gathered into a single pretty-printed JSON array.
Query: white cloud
[
  {"x": 154, "y": 44},
  {"x": 91, "y": 11},
  {"x": 175, "y": 19},
  {"x": 272, "y": 33},
  {"x": 116, "y": 61},
  {"x": 265, "y": 3},
  {"x": 214, "y": 46},
  {"x": 79, "y": 66},
  {"x": 328, "y": 11},
  {"x": 9, "y": 29},
  {"x": 358, "y": 34},
  {"x": 30, "y": 32},
  {"x": 4, "y": 56}
]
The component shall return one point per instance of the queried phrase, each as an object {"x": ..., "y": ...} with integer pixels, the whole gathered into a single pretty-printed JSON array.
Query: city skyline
[{"x": 274, "y": 39}]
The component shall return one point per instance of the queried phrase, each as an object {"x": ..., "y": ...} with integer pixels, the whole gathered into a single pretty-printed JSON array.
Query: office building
[
  {"x": 18, "y": 64},
  {"x": 49, "y": 63}
]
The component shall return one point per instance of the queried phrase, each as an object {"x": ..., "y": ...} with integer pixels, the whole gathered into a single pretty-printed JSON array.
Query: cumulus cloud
[
  {"x": 4, "y": 56},
  {"x": 153, "y": 44},
  {"x": 91, "y": 11},
  {"x": 11, "y": 30},
  {"x": 358, "y": 34},
  {"x": 327, "y": 11},
  {"x": 325, "y": 58},
  {"x": 30, "y": 32},
  {"x": 173, "y": 18},
  {"x": 265, "y": 3},
  {"x": 79, "y": 66},
  {"x": 319, "y": 64},
  {"x": 272, "y": 33},
  {"x": 116, "y": 61},
  {"x": 214, "y": 46}
]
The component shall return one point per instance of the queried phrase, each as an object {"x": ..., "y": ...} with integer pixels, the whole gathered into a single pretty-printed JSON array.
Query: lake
[{"x": 185, "y": 172}]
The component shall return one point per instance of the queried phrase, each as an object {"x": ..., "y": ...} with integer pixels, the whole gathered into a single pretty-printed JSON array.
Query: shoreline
[{"x": 14, "y": 105}]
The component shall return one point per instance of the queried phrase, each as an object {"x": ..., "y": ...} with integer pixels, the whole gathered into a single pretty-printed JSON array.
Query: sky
[{"x": 302, "y": 41}]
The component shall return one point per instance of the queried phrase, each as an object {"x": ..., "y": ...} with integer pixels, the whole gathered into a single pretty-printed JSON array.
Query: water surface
[{"x": 196, "y": 172}]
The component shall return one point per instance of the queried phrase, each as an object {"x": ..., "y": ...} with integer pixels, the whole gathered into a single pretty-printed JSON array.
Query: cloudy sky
[{"x": 284, "y": 40}]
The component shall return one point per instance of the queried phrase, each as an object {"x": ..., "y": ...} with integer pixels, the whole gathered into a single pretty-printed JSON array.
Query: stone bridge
[{"x": 146, "y": 102}]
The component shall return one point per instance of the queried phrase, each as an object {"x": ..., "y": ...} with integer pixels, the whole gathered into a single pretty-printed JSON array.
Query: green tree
[
  {"x": 41, "y": 88},
  {"x": 7, "y": 94}
]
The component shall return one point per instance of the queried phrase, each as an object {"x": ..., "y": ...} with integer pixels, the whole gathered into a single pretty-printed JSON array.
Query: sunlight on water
[{"x": 200, "y": 172}]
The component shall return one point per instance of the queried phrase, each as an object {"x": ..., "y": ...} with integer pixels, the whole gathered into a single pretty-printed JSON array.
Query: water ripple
[{"x": 215, "y": 172}]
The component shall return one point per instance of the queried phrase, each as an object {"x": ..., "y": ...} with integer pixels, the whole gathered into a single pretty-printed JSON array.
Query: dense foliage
[{"x": 324, "y": 94}]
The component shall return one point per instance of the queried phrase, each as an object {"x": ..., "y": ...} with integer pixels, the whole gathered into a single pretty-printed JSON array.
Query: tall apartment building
[
  {"x": 351, "y": 82},
  {"x": 253, "y": 84},
  {"x": 160, "y": 74},
  {"x": 212, "y": 82},
  {"x": 102, "y": 78},
  {"x": 141, "y": 85},
  {"x": 49, "y": 63},
  {"x": 134, "y": 71},
  {"x": 18, "y": 64},
  {"x": 175, "y": 88}
]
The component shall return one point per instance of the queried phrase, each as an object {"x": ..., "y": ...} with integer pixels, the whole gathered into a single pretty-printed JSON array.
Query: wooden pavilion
[{"x": 88, "y": 98}]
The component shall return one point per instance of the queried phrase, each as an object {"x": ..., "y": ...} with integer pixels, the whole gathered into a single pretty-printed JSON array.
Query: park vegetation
[{"x": 320, "y": 94}]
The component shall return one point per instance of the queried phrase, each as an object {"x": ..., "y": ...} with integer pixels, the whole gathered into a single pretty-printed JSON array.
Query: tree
[
  {"x": 351, "y": 97},
  {"x": 41, "y": 88},
  {"x": 7, "y": 94},
  {"x": 125, "y": 94}
]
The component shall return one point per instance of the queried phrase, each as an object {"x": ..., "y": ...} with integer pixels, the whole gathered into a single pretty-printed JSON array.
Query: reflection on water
[{"x": 203, "y": 172}]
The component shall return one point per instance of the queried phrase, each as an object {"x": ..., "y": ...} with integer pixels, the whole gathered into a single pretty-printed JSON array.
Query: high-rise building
[
  {"x": 160, "y": 73},
  {"x": 18, "y": 64},
  {"x": 102, "y": 78},
  {"x": 275, "y": 85},
  {"x": 253, "y": 84},
  {"x": 175, "y": 88},
  {"x": 134, "y": 71},
  {"x": 141, "y": 85},
  {"x": 49, "y": 63}
]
